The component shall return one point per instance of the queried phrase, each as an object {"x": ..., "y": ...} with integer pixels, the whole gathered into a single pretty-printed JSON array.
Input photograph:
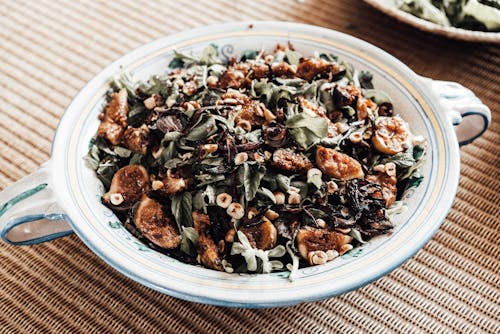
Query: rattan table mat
[{"x": 50, "y": 49}]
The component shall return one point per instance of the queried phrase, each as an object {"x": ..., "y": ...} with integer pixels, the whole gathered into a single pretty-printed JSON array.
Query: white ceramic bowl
[
  {"x": 388, "y": 7},
  {"x": 64, "y": 195}
]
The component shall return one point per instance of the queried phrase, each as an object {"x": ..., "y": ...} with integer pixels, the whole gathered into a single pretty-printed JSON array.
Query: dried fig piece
[
  {"x": 158, "y": 227},
  {"x": 127, "y": 187}
]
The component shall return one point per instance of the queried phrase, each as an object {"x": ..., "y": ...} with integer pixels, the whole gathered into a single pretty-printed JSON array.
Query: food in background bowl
[{"x": 263, "y": 163}]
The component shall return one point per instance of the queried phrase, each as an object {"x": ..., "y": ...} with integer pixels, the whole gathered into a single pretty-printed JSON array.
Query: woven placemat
[{"x": 49, "y": 49}]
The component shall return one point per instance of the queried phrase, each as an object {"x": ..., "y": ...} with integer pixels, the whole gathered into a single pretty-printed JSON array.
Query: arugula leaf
[
  {"x": 307, "y": 129},
  {"x": 182, "y": 207}
]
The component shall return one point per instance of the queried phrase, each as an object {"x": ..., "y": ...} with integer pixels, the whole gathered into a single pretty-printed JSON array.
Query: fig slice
[
  {"x": 114, "y": 123},
  {"x": 127, "y": 187},
  {"x": 262, "y": 236},
  {"x": 311, "y": 239},
  {"x": 207, "y": 249},
  {"x": 156, "y": 225},
  {"x": 337, "y": 164}
]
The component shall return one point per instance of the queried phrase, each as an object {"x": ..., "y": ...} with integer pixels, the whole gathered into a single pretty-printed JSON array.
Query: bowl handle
[
  {"x": 29, "y": 213},
  {"x": 465, "y": 110}
]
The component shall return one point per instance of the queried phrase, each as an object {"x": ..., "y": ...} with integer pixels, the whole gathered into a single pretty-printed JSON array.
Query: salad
[{"x": 267, "y": 162}]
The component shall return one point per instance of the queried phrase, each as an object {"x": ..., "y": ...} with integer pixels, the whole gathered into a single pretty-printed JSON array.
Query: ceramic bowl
[
  {"x": 388, "y": 7},
  {"x": 63, "y": 196}
]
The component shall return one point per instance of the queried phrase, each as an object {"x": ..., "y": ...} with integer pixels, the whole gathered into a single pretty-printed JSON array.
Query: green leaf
[
  {"x": 356, "y": 235},
  {"x": 115, "y": 224},
  {"x": 418, "y": 152},
  {"x": 401, "y": 160},
  {"x": 248, "y": 54},
  {"x": 414, "y": 181},
  {"x": 293, "y": 57},
  {"x": 315, "y": 180},
  {"x": 209, "y": 55},
  {"x": 252, "y": 175},
  {"x": 377, "y": 96},
  {"x": 182, "y": 207},
  {"x": 189, "y": 240},
  {"x": 283, "y": 182},
  {"x": 267, "y": 193},
  {"x": 171, "y": 136},
  {"x": 122, "y": 152},
  {"x": 204, "y": 128},
  {"x": 199, "y": 201},
  {"x": 176, "y": 63},
  {"x": 307, "y": 129},
  {"x": 135, "y": 159}
]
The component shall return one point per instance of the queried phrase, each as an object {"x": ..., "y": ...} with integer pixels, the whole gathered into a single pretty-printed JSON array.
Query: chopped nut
[
  {"x": 271, "y": 214},
  {"x": 332, "y": 187},
  {"x": 390, "y": 168},
  {"x": 313, "y": 172},
  {"x": 150, "y": 103},
  {"x": 235, "y": 210},
  {"x": 321, "y": 223},
  {"x": 221, "y": 244},
  {"x": 206, "y": 149},
  {"x": 212, "y": 81},
  {"x": 252, "y": 212},
  {"x": 317, "y": 257},
  {"x": 245, "y": 125},
  {"x": 268, "y": 155},
  {"x": 230, "y": 235},
  {"x": 379, "y": 168},
  {"x": 116, "y": 199},
  {"x": 344, "y": 211},
  {"x": 190, "y": 88},
  {"x": 156, "y": 184},
  {"x": 223, "y": 200},
  {"x": 268, "y": 115},
  {"x": 280, "y": 197},
  {"x": 341, "y": 127},
  {"x": 259, "y": 109},
  {"x": 156, "y": 154},
  {"x": 293, "y": 189},
  {"x": 294, "y": 198},
  {"x": 258, "y": 157},
  {"x": 331, "y": 254},
  {"x": 345, "y": 248},
  {"x": 230, "y": 101},
  {"x": 343, "y": 230},
  {"x": 240, "y": 158},
  {"x": 356, "y": 137}
]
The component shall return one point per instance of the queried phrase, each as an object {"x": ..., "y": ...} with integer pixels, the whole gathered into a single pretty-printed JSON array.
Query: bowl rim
[
  {"x": 88, "y": 93},
  {"x": 424, "y": 25}
]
